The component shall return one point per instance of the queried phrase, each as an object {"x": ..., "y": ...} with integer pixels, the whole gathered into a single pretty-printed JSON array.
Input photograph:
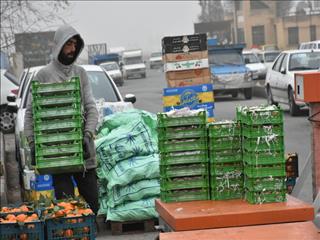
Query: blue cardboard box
[{"x": 41, "y": 183}]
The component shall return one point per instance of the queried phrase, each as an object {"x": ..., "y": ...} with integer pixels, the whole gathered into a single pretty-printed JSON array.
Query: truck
[
  {"x": 102, "y": 58},
  {"x": 229, "y": 74},
  {"x": 132, "y": 64}
]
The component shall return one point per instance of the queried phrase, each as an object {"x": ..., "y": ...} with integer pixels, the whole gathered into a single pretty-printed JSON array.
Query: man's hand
[{"x": 88, "y": 145}]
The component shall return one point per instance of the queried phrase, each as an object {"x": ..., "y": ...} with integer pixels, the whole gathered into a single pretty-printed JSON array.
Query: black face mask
[{"x": 65, "y": 59}]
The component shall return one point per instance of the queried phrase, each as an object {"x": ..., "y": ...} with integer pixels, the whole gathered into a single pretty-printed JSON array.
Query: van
[
  {"x": 132, "y": 64},
  {"x": 310, "y": 45}
]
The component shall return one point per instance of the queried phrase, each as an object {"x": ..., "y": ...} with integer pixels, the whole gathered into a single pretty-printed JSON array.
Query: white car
[
  {"x": 280, "y": 78},
  {"x": 114, "y": 71},
  {"x": 6, "y": 117},
  {"x": 268, "y": 57},
  {"x": 257, "y": 68},
  {"x": 155, "y": 60},
  {"x": 102, "y": 86}
]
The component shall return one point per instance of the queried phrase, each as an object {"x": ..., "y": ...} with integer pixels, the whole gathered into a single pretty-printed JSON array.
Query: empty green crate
[
  {"x": 219, "y": 183},
  {"x": 165, "y": 121},
  {"x": 182, "y": 132},
  {"x": 258, "y": 171},
  {"x": 184, "y": 195},
  {"x": 260, "y": 197},
  {"x": 183, "y": 145},
  {"x": 60, "y": 164},
  {"x": 264, "y": 157},
  {"x": 260, "y": 115},
  {"x": 55, "y": 138},
  {"x": 253, "y": 131},
  {"x": 272, "y": 143},
  {"x": 226, "y": 194},
  {"x": 268, "y": 183},
  {"x": 45, "y": 88},
  {"x": 231, "y": 170},
  {"x": 52, "y": 113},
  {"x": 167, "y": 184},
  {"x": 224, "y": 129},
  {"x": 56, "y": 100},
  {"x": 173, "y": 158},
  {"x": 57, "y": 125},
  {"x": 59, "y": 150},
  {"x": 183, "y": 170},
  {"x": 225, "y": 156},
  {"x": 224, "y": 143}
]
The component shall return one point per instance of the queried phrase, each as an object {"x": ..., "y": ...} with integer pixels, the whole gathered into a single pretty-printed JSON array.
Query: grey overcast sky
[{"x": 132, "y": 24}]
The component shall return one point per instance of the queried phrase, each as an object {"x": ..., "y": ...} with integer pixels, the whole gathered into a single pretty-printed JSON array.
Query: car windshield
[
  {"x": 251, "y": 58},
  {"x": 157, "y": 54},
  {"x": 110, "y": 67},
  {"x": 304, "y": 61},
  {"x": 102, "y": 86},
  {"x": 132, "y": 60},
  {"x": 226, "y": 58},
  {"x": 270, "y": 57}
]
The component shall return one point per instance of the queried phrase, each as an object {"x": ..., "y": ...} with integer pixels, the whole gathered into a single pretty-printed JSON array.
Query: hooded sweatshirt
[{"x": 56, "y": 71}]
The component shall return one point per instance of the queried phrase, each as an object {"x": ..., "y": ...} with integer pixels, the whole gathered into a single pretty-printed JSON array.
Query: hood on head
[{"x": 62, "y": 35}]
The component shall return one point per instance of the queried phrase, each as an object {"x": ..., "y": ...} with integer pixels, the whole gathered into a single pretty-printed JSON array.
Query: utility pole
[{"x": 235, "y": 21}]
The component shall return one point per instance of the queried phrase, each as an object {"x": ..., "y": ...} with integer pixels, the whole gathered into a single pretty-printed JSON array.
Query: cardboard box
[
  {"x": 194, "y": 97},
  {"x": 34, "y": 195},
  {"x": 188, "y": 82},
  {"x": 198, "y": 38},
  {"x": 28, "y": 175},
  {"x": 193, "y": 73},
  {"x": 186, "y": 65},
  {"x": 41, "y": 183},
  {"x": 175, "y": 57},
  {"x": 184, "y": 48}
]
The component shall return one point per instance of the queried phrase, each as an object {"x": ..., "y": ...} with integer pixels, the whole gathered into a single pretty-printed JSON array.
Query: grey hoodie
[{"x": 55, "y": 71}]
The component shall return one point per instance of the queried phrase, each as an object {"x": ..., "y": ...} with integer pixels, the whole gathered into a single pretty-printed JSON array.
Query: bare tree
[
  {"x": 211, "y": 11},
  {"x": 23, "y": 16}
]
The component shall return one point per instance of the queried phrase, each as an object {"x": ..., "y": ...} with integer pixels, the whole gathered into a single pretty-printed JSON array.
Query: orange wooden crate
[{"x": 307, "y": 87}]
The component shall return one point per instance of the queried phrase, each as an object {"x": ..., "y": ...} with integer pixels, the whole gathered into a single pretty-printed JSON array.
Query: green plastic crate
[
  {"x": 165, "y": 121},
  {"x": 225, "y": 156},
  {"x": 224, "y": 129},
  {"x": 65, "y": 164},
  {"x": 260, "y": 115},
  {"x": 259, "y": 171},
  {"x": 59, "y": 150},
  {"x": 51, "y": 101},
  {"x": 271, "y": 143},
  {"x": 174, "y": 158},
  {"x": 168, "y": 171},
  {"x": 268, "y": 183},
  {"x": 167, "y": 184},
  {"x": 185, "y": 195},
  {"x": 58, "y": 125},
  {"x": 265, "y": 196},
  {"x": 56, "y": 138},
  {"x": 219, "y": 183},
  {"x": 53, "y": 113},
  {"x": 226, "y": 194},
  {"x": 231, "y": 170},
  {"x": 51, "y": 88},
  {"x": 182, "y": 132},
  {"x": 183, "y": 145},
  {"x": 264, "y": 157},
  {"x": 253, "y": 131},
  {"x": 223, "y": 143}
]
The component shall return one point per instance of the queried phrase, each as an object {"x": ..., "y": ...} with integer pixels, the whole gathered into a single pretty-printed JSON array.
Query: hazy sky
[{"x": 132, "y": 24}]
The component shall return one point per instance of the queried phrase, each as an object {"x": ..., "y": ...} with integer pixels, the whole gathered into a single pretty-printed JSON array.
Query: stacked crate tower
[
  {"x": 225, "y": 155},
  {"x": 263, "y": 153},
  {"x": 57, "y": 122},
  {"x": 183, "y": 157},
  {"x": 185, "y": 60}
]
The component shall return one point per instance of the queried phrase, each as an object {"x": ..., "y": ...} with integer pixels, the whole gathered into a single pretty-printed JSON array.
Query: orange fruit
[
  {"x": 24, "y": 208},
  {"x": 68, "y": 233},
  {"x": 86, "y": 229},
  {"x": 23, "y": 236},
  {"x": 21, "y": 217}
]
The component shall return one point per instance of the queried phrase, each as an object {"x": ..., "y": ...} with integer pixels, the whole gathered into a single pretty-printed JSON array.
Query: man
[{"x": 67, "y": 47}]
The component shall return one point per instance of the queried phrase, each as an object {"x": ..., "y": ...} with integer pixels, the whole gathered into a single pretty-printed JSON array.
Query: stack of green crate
[
  {"x": 226, "y": 168},
  {"x": 57, "y": 121},
  {"x": 263, "y": 153},
  {"x": 183, "y": 157}
]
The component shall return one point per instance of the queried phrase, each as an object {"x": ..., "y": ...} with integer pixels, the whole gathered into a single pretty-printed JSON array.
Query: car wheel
[
  {"x": 143, "y": 75},
  {"x": 247, "y": 93},
  {"x": 270, "y": 100},
  {"x": 294, "y": 110},
  {"x": 234, "y": 94},
  {"x": 6, "y": 120}
]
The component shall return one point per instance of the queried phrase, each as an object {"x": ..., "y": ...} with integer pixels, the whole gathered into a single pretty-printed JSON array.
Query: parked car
[
  {"x": 114, "y": 71},
  {"x": 102, "y": 86},
  {"x": 268, "y": 57},
  {"x": 280, "y": 78},
  {"x": 6, "y": 117},
  {"x": 155, "y": 60},
  {"x": 254, "y": 64},
  {"x": 310, "y": 45}
]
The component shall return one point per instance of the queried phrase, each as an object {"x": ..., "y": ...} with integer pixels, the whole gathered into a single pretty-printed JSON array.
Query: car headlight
[{"x": 248, "y": 76}]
